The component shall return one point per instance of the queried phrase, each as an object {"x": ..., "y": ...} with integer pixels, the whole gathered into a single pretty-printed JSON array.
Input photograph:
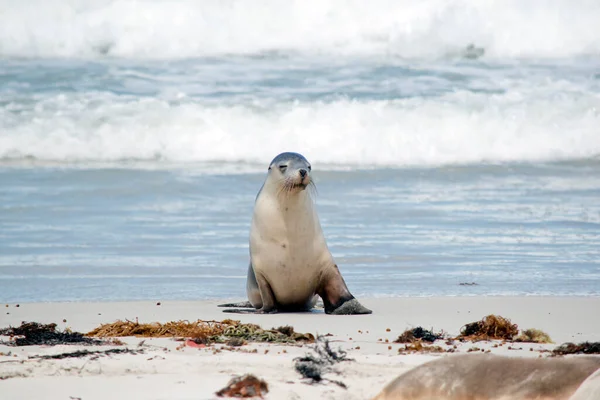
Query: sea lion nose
[{"x": 302, "y": 173}]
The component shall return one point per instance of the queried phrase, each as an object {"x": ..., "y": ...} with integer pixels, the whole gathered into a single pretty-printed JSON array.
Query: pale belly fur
[{"x": 288, "y": 248}]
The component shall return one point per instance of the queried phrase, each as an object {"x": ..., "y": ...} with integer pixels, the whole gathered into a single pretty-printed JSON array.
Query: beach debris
[
  {"x": 490, "y": 327},
  {"x": 205, "y": 332},
  {"x": 236, "y": 342},
  {"x": 286, "y": 330},
  {"x": 84, "y": 353},
  {"x": 415, "y": 341},
  {"x": 419, "y": 347},
  {"x": 196, "y": 329},
  {"x": 34, "y": 333},
  {"x": 533, "y": 336},
  {"x": 419, "y": 334},
  {"x": 254, "y": 333},
  {"x": 581, "y": 348},
  {"x": 468, "y": 284},
  {"x": 193, "y": 343},
  {"x": 314, "y": 366},
  {"x": 244, "y": 386}
]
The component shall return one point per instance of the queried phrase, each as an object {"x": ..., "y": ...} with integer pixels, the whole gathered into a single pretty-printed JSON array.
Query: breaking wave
[
  {"x": 190, "y": 28},
  {"x": 461, "y": 127}
]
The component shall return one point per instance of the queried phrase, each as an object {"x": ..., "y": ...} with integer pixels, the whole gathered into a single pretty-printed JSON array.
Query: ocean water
[{"x": 455, "y": 144}]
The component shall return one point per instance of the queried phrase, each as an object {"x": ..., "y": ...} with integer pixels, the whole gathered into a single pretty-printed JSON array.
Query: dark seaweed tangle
[
  {"x": 581, "y": 348},
  {"x": 314, "y": 366},
  {"x": 84, "y": 353},
  {"x": 412, "y": 335},
  {"x": 34, "y": 333}
]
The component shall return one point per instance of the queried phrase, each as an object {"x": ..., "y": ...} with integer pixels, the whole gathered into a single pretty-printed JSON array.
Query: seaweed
[
  {"x": 204, "y": 332},
  {"x": 197, "y": 329},
  {"x": 84, "y": 353},
  {"x": 286, "y": 330},
  {"x": 581, "y": 348},
  {"x": 533, "y": 336},
  {"x": 490, "y": 327},
  {"x": 417, "y": 334},
  {"x": 418, "y": 346},
  {"x": 315, "y": 366},
  {"x": 244, "y": 386},
  {"x": 34, "y": 333}
]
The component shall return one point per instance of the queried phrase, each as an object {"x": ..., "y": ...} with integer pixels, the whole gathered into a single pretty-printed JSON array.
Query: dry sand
[{"x": 166, "y": 370}]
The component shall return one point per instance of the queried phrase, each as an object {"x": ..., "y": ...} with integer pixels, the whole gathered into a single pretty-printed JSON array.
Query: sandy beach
[{"x": 165, "y": 369}]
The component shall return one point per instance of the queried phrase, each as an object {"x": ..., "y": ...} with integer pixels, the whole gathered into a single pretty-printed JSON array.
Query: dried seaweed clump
[
  {"x": 419, "y": 334},
  {"x": 198, "y": 329},
  {"x": 581, "y": 348},
  {"x": 490, "y": 327},
  {"x": 254, "y": 333},
  {"x": 418, "y": 347},
  {"x": 314, "y": 366},
  {"x": 34, "y": 333},
  {"x": 244, "y": 386},
  {"x": 533, "y": 336},
  {"x": 202, "y": 331}
]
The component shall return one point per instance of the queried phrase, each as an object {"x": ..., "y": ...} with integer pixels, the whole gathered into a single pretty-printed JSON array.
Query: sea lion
[
  {"x": 290, "y": 263},
  {"x": 492, "y": 377},
  {"x": 589, "y": 389}
]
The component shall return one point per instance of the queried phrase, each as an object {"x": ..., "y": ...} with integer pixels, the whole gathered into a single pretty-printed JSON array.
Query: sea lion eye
[
  {"x": 309, "y": 167},
  {"x": 282, "y": 167}
]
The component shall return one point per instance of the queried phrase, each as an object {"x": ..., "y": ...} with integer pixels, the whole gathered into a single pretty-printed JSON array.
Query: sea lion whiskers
[
  {"x": 288, "y": 184},
  {"x": 284, "y": 187},
  {"x": 313, "y": 188}
]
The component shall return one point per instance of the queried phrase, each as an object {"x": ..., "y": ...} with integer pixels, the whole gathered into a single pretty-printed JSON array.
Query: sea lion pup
[
  {"x": 290, "y": 263},
  {"x": 492, "y": 377}
]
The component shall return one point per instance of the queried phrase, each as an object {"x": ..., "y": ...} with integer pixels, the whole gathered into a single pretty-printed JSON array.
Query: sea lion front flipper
[
  {"x": 252, "y": 291},
  {"x": 262, "y": 300},
  {"x": 268, "y": 304},
  {"x": 336, "y": 297}
]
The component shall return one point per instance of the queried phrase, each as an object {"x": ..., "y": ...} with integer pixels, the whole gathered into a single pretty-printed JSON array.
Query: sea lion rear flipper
[
  {"x": 336, "y": 297},
  {"x": 243, "y": 304},
  {"x": 241, "y": 310}
]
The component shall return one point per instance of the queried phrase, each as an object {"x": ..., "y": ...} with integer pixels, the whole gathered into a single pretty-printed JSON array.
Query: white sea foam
[
  {"x": 191, "y": 28},
  {"x": 462, "y": 127}
]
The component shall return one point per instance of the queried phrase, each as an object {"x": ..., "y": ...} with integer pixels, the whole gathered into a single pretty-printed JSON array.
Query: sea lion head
[{"x": 292, "y": 171}]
